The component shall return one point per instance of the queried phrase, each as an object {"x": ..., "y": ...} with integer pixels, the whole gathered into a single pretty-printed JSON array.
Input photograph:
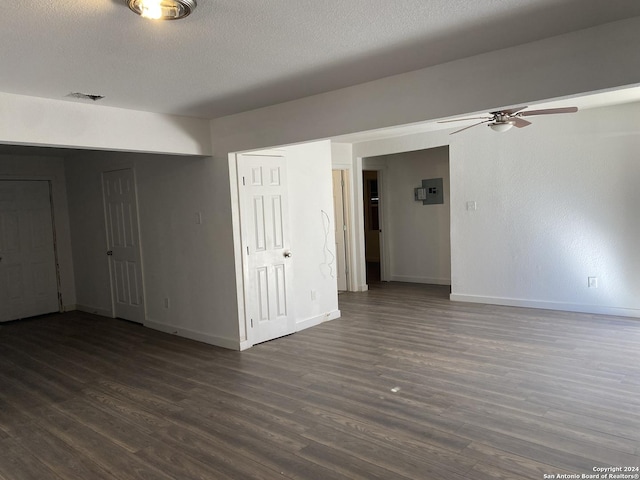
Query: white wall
[
  {"x": 341, "y": 156},
  {"x": 20, "y": 167},
  {"x": 312, "y": 229},
  {"x": 40, "y": 121},
  {"x": 182, "y": 261},
  {"x": 88, "y": 235},
  {"x": 416, "y": 236},
  {"x": 556, "y": 203}
]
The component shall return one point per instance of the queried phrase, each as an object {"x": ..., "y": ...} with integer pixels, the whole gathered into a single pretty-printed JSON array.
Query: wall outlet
[
  {"x": 166, "y": 302},
  {"x": 472, "y": 206},
  {"x": 592, "y": 282},
  {"x": 314, "y": 295}
]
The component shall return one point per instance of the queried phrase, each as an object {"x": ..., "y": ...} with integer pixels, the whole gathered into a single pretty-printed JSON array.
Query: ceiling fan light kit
[
  {"x": 503, "y": 120},
  {"x": 162, "y": 9},
  {"x": 501, "y": 127}
]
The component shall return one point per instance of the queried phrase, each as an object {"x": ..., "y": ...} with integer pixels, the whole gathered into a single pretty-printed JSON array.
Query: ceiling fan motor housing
[{"x": 503, "y": 117}]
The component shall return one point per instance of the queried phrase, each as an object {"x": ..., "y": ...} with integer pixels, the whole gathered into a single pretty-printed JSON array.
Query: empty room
[{"x": 336, "y": 240}]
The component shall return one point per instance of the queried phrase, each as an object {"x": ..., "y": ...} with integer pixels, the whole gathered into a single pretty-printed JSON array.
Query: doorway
[
  {"x": 415, "y": 243},
  {"x": 372, "y": 230}
]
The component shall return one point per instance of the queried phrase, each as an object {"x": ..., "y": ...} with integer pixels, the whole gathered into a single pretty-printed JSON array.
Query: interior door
[
  {"x": 265, "y": 235},
  {"x": 28, "y": 277},
  {"x": 340, "y": 229},
  {"x": 123, "y": 244}
]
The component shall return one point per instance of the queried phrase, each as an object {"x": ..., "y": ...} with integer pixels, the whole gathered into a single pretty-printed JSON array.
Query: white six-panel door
[
  {"x": 28, "y": 279},
  {"x": 267, "y": 258},
  {"x": 123, "y": 246}
]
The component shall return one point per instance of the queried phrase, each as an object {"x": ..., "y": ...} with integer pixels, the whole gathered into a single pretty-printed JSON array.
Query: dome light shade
[
  {"x": 162, "y": 9},
  {"x": 501, "y": 127}
]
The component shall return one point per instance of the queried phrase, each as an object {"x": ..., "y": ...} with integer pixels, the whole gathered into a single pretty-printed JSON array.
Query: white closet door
[{"x": 28, "y": 281}]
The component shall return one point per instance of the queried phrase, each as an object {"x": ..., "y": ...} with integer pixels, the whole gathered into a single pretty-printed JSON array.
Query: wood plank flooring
[{"x": 406, "y": 385}]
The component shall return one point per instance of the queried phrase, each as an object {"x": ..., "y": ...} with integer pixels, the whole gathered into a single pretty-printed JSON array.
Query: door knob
[
  {"x": 110, "y": 252},
  {"x": 287, "y": 254}
]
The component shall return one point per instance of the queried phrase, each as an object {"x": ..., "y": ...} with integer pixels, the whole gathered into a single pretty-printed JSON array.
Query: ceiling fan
[{"x": 503, "y": 120}]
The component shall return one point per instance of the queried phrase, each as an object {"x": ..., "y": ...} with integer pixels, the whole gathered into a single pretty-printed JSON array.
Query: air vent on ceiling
[{"x": 85, "y": 96}]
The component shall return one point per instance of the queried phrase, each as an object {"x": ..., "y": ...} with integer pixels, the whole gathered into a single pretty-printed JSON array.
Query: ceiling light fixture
[
  {"x": 162, "y": 9},
  {"x": 501, "y": 126}
]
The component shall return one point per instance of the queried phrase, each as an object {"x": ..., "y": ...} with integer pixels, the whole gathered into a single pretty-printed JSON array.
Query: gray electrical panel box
[{"x": 431, "y": 192}]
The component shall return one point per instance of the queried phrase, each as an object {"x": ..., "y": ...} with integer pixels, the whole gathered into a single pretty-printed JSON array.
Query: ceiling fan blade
[
  {"x": 520, "y": 122},
  {"x": 461, "y": 119},
  {"x": 474, "y": 125},
  {"x": 548, "y": 111},
  {"x": 509, "y": 111}
]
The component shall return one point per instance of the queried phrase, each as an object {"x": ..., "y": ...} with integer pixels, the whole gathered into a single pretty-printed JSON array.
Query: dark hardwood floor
[{"x": 406, "y": 385}]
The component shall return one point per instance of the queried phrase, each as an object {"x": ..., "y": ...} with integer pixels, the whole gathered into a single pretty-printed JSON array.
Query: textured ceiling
[{"x": 235, "y": 55}]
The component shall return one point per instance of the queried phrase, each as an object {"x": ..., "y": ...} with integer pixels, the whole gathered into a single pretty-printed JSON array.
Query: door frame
[
  {"x": 106, "y": 240},
  {"x": 362, "y": 159},
  {"x": 49, "y": 180}
]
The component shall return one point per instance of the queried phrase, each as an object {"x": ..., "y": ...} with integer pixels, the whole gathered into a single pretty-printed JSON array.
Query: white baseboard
[
  {"x": 223, "y": 342},
  {"x": 427, "y": 280},
  {"x": 96, "y": 311},
  {"x": 546, "y": 305},
  {"x": 317, "y": 320}
]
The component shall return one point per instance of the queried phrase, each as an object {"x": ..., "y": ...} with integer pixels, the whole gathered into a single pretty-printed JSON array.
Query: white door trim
[{"x": 237, "y": 251}]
